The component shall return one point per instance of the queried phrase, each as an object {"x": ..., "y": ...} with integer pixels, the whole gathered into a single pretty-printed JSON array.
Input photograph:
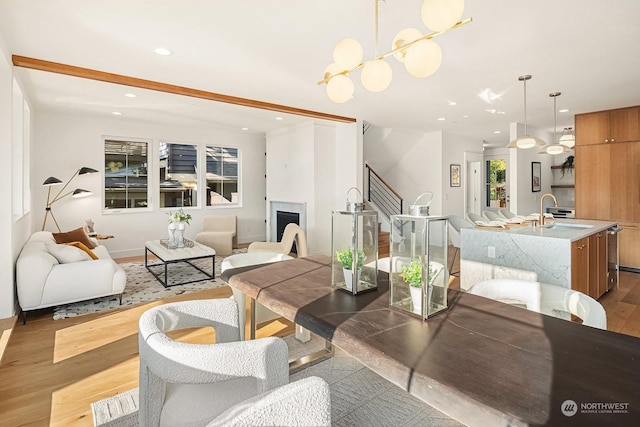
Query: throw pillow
[
  {"x": 82, "y": 246},
  {"x": 67, "y": 254},
  {"x": 77, "y": 235}
]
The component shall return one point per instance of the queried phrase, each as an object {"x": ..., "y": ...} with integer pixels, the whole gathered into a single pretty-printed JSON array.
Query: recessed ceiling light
[
  {"x": 442, "y": 119},
  {"x": 489, "y": 96},
  {"x": 465, "y": 117},
  {"x": 496, "y": 131},
  {"x": 279, "y": 118},
  {"x": 117, "y": 113},
  {"x": 245, "y": 128},
  {"x": 451, "y": 103},
  {"x": 564, "y": 110},
  {"x": 130, "y": 95},
  {"x": 162, "y": 51}
]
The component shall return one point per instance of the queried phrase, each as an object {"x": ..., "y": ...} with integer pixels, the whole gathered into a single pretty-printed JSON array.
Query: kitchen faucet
[{"x": 555, "y": 202}]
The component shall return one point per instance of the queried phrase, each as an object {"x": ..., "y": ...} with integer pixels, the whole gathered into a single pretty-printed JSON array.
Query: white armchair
[
  {"x": 292, "y": 233},
  {"x": 183, "y": 384},
  {"x": 218, "y": 232}
]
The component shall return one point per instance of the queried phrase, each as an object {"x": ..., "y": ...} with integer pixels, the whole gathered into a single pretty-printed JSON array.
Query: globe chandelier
[{"x": 419, "y": 53}]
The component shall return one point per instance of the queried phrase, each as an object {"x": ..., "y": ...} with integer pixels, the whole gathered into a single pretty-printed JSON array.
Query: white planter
[
  {"x": 348, "y": 278},
  {"x": 180, "y": 227},
  {"x": 416, "y": 299},
  {"x": 171, "y": 228}
]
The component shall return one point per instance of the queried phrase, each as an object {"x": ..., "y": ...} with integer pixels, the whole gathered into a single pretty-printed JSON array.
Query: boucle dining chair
[
  {"x": 185, "y": 384},
  {"x": 544, "y": 298}
]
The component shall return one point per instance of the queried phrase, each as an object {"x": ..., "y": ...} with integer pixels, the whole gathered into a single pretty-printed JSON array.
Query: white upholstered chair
[
  {"x": 184, "y": 384},
  {"x": 494, "y": 215},
  {"x": 218, "y": 232},
  {"x": 544, "y": 298},
  {"x": 507, "y": 213},
  {"x": 292, "y": 232},
  {"x": 474, "y": 217}
]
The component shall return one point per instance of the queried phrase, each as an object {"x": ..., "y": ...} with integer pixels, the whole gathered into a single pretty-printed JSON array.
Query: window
[
  {"x": 222, "y": 176},
  {"x": 178, "y": 175},
  {"x": 496, "y": 181},
  {"x": 125, "y": 176}
]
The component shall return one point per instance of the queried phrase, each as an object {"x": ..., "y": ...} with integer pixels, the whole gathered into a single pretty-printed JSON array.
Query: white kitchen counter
[{"x": 529, "y": 253}]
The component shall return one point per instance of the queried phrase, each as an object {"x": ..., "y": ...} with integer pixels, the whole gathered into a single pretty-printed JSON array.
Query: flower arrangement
[
  {"x": 346, "y": 258},
  {"x": 179, "y": 216},
  {"x": 412, "y": 273}
]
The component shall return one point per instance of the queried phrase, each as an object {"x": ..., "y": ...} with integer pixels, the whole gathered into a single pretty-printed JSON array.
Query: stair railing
[{"x": 388, "y": 201}]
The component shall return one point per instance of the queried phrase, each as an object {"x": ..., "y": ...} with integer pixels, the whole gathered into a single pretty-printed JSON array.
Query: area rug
[
  {"x": 359, "y": 396},
  {"x": 143, "y": 287}
]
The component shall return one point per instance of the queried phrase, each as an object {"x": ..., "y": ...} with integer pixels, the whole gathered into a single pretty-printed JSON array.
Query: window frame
[{"x": 239, "y": 191}]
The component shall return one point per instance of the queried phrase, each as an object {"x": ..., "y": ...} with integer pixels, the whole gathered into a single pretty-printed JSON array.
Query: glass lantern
[
  {"x": 419, "y": 276},
  {"x": 354, "y": 248}
]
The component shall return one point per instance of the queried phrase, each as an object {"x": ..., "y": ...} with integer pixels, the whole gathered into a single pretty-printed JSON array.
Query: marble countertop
[{"x": 557, "y": 230}]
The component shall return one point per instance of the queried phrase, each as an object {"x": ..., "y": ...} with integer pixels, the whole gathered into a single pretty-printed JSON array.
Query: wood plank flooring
[{"x": 52, "y": 371}]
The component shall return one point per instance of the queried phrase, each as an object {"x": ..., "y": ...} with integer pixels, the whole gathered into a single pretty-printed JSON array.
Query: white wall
[
  {"x": 523, "y": 200},
  {"x": 413, "y": 163},
  {"x": 67, "y": 142},
  {"x": 314, "y": 164},
  {"x": 14, "y": 219},
  {"x": 453, "y": 149}
]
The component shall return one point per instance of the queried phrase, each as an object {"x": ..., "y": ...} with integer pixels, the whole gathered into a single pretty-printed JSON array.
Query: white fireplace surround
[{"x": 297, "y": 207}]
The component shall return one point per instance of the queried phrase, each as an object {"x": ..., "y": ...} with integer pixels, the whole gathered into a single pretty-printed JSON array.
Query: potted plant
[
  {"x": 345, "y": 257},
  {"x": 567, "y": 165},
  {"x": 177, "y": 221},
  {"x": 412, "y": 274}
]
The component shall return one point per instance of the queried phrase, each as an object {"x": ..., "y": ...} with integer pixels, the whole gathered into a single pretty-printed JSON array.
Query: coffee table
[{"x": 192, "y": 251}]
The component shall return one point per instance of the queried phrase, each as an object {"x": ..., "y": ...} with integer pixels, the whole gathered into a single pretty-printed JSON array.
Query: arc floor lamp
[{"x": 78, "y": 192}]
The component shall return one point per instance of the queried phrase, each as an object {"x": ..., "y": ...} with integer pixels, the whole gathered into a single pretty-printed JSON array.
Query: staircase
[{"x": 383, "y": 243}]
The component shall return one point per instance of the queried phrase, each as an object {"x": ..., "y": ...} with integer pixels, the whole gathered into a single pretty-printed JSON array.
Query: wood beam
[{"x": 87, "y": 73}]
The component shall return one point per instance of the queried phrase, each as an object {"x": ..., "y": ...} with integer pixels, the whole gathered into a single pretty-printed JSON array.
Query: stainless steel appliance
[
  {"x": 613, "y": 269},
  {"x": 562, "y": 212}
]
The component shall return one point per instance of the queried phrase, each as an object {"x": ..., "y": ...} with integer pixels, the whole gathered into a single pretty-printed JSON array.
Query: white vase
[
  {"x": 180, "y": 227},
  {"x": 416, "y": 299},
  {"x": 348, "y": 278},
  {"x": 172, "y": 234}
]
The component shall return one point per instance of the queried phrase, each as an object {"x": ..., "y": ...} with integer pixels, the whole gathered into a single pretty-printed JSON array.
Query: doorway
[
  {"x": 473, "y": 183},
  {"x": 496, "y": 189}
]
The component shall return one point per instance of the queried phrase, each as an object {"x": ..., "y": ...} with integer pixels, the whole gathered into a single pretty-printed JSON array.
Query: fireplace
[
  {"x": 284, "y": 218},
  {"x": 282, "y": 213}
]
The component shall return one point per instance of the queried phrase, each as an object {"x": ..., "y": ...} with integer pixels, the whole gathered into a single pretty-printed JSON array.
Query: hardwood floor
[{"x": 52, "y": 371}]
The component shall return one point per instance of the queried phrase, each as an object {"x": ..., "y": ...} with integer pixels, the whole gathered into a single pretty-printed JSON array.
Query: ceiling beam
[{"x": 87, "y": 73}]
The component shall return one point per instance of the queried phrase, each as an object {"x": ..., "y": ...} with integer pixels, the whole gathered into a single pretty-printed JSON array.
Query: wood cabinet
[
  {"x": 597, "y": 264},
  {"x": 593, "y": 187},
  {"x": 589, "y": 265},
  {"x": 603, "y": 127},
  {"x": 629, "y": 244}
]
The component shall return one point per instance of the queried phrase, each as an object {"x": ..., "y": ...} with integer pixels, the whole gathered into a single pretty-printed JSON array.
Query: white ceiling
[{"x": 276, "y": 51}]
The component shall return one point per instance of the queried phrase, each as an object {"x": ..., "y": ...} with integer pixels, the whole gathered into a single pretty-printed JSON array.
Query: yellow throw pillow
[
  {"x": 77, "y": 235},
  {"x": 82, "y": 246}
]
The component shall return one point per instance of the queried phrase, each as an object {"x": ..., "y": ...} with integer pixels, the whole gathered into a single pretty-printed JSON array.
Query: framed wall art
[
  {"x": 536, "y": 172},
  {"x": 454, "y": 175}
]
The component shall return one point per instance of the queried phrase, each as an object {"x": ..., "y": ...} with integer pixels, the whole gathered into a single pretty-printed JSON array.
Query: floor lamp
[{"x": 78, "y": 192}]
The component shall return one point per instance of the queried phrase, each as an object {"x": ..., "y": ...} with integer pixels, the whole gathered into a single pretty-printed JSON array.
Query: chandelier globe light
[
  {"x": 423, "y": 58},
  {"x": 568, "y": 139},
  {"x": 526, "y": 141},
  {"x": 376, "y": 75},
  {"x": 421, "y": 55},
  {"x": 438, "y": 15},
  {"x": 340, "y": 89}
]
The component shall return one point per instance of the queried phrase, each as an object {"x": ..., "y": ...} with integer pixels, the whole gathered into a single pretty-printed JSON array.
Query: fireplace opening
[{"x": 282, "y": 219}]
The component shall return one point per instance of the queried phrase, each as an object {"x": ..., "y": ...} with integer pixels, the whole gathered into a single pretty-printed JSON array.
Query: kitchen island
[{"x": 552, "y": 253}]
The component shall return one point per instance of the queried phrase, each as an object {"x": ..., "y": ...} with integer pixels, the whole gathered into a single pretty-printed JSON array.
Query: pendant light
[
  {"x": 526, "y": 141},
  {"x": 554, "y": 148},
  {"x": 568, "y": 138}
]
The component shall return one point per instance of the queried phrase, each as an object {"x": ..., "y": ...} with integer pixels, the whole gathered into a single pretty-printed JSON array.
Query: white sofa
[{"x": 50, "y": 274}]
